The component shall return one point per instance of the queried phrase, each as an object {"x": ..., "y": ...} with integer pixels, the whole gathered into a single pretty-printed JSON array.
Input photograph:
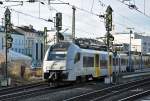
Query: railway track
[
  {"x": 6, "y": 94},
  {"x": 34, "y": 89},
  {"x": 21, "y": 87},
  {"x": 107, "y": 94},
  {"x": 31, "y": 90},
  {"x": 136, "y": 96}
]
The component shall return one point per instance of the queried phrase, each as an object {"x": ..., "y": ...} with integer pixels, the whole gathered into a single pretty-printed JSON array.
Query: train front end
[{"x": 54, "y": 64}]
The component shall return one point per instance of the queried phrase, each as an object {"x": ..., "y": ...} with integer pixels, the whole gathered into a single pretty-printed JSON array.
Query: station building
[{"x": 139, "y": 41}]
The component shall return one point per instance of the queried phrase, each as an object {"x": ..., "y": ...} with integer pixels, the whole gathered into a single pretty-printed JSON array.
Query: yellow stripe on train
[{"x": 97, "y": 65}]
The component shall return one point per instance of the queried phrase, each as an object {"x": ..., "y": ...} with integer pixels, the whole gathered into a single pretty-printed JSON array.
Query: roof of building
[
  {"x": 31, "y": 29},
  {"x": 41, "y": 33},
  {"x": 16, "y": 32},
  {"x": 24, "y": 28},
  {"x": 13, "y": 31},
  {"x": 27, "y": 28}
]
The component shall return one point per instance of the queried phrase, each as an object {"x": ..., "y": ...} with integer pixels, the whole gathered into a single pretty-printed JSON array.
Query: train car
[
  {"x": 83, "y": 60},
  {"x": 67, "y": 61},
  {"x": 120, "y": 62}
]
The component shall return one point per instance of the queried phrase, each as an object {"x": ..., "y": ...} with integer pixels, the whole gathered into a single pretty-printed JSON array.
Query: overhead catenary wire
[
  {"x": 125, "y": 17},
  {"x": 52, "y": 22},
  {"x": 20, "y": 12},
  {"x": 78, "y": 30},
  {"x": 92, "y": 6},
  {"x": 103, "y": 4},
  {"x": 84, "y": 10},
  {"x": 27, "y": 14},
  {"x": 77, "y": 19},
  {"x": 143, "y": 13}
]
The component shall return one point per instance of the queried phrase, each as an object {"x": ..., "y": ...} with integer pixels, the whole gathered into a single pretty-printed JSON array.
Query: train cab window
[
  {"x": 77, "y": 58},
  {"x": 54, "y": 56}
]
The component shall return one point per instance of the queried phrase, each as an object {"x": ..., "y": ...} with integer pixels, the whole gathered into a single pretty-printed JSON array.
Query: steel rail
[
  {"x": 20, "y": 94},
  {"x": 115, "y": 93},
  {"x": 136, "y": 96},
  {"x": 22, "y": 87},
  {"x": 37, "y": 91},
  {"x": 106, "y": 91}
]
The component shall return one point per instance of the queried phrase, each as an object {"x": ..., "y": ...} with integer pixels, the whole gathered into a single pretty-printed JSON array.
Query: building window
[
  {"x": 16, "y": 49},
  {"x": 32, "y": 42},
  {"x": 22, "y": 50},
  {"x": 26, "y": 51},
  {"x": 15, "y": 41},
  {"x": 144, "y": 43},
  {"x": 36, "y": 51},
  {"x": 19, "y": 50}
]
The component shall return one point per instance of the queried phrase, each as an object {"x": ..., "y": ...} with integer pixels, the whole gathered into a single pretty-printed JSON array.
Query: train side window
[
  {"x": 103, "y": 63},
  {"x": 88, "y": 61},
  {"x": 77, "y": 58}
]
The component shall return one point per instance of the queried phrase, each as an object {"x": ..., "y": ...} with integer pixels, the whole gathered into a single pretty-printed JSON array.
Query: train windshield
[{"x": 56, "y": 56}]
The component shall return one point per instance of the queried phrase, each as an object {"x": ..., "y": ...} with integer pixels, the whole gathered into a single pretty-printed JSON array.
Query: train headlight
[{"x": 62, "y": 67}]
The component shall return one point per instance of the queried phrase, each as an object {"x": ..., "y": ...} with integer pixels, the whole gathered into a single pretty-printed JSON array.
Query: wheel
[{"x": 53, "y": 84}]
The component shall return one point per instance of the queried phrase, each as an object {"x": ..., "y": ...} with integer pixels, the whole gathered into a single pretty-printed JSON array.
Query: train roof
[
  {"x": 90, "y": 44},
  {"x": 83, "y": 43},
  {"x": 61, "y": 46},
  {"x": 94, "y": 51}
]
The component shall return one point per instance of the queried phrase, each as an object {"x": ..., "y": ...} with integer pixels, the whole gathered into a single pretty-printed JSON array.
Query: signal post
[
  {"x": 8, "y": 43},
  {"x": 108, "y": 25}
]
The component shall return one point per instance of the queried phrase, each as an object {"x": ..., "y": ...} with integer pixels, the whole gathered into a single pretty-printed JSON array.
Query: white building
[
  {"x": 139, "y": 42},
  {"x": 18, "y": 43},
  {"x": 33, "y": 43},
  {"x": 2, "y": 38},
  {"x": 30, "y": 37}
]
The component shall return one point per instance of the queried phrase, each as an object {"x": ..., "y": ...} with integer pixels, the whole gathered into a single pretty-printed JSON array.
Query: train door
[
  {"x": 97, "y": 65},
  {"x": 110, "y": 64}
]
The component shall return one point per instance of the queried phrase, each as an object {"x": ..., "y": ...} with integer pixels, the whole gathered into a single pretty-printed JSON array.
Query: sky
[{"x": 87, "y": 24}]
